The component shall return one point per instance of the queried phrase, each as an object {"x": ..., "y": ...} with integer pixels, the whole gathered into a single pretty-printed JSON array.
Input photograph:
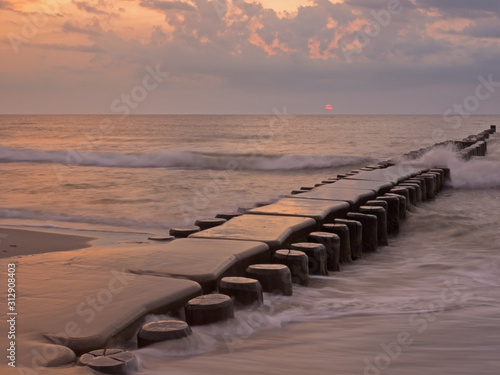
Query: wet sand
[{"x": 17, "y": 242}]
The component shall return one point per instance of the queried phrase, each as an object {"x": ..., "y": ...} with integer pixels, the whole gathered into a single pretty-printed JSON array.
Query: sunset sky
[{"x": 244, "y": 56}]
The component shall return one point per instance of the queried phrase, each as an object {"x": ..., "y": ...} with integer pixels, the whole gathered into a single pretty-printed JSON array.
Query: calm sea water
[{"x": 428, "y": 302}]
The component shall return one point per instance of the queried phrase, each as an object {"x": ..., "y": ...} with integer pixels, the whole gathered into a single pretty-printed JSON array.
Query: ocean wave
[
  {"x": 477, "y": 173},
  {"x": 178, "y": 159}
]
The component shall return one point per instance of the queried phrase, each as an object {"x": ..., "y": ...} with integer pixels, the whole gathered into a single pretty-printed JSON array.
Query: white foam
[
  {"x": 477, "y": 173},
  {"x": 178, "y": 159}
]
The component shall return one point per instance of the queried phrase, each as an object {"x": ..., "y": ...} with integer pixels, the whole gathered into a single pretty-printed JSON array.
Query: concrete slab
[
  {"x": 379, "y": 187},
  {"x": 355, "y": 197},
  {"x": 319, "y": 210},
  {"x": 205, "y": 261},
  {"x": 95, "y": 297},
  {"x": 98, "y": 293},
  {"x": 393, "y": 174},
  {"x": 275, "y": 231},
  {"x": 81, "y": 303}
]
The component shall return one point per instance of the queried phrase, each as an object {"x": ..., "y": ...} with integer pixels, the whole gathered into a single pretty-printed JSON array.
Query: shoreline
[{"x": 20, "y": 242}]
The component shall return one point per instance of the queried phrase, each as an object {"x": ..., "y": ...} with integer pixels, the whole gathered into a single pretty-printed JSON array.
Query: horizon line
[{"x": 242, "y": 114}]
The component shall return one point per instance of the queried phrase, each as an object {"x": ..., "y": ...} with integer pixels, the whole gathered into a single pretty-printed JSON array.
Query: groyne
[{"x": 200, "y": 275}]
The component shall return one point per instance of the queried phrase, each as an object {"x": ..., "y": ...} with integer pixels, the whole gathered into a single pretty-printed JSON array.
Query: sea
[{"x": 429, "y": 302}]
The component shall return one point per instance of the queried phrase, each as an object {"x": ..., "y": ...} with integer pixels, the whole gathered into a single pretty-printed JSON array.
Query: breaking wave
[
  {"x": 477, "y": 173},
  {"x": 179, "y": 159}
]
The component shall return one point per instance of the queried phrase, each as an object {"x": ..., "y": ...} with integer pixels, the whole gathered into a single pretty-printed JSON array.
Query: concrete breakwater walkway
[{"x": 77, "y": 302}]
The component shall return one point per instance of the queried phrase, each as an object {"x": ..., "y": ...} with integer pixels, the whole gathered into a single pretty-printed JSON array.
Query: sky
[{"x": 249, "y": 56}]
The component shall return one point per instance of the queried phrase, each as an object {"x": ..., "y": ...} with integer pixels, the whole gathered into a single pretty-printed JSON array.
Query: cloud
[
  {"x": 250, "y": 37},
  {"x": 93, "y": 29},
  {"x": 461, "y": 8},
  {"x": 77, "y": 48},
  {"x": 5, "y": 5},
  {"x": 251, "y": 54},
  {"x": 85, "y": 6},
  {"x": 484, "y": 31},
  {"x": 166, "y": 5},
  {"x": 487, "y": 5},
  {"x": 481, "y": 28}
]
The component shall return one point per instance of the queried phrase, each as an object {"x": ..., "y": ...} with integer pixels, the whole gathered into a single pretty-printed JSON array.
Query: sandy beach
[{"x": 18, "y": 242}]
